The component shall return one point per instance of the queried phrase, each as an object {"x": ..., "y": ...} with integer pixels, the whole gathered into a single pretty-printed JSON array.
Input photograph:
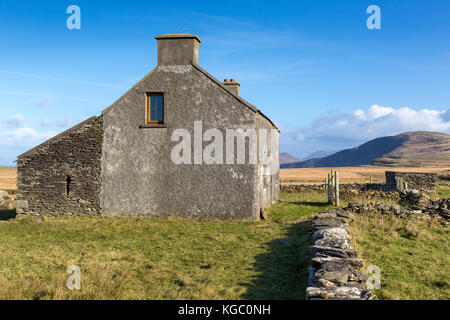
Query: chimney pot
[{"x": 232, "y": 86}]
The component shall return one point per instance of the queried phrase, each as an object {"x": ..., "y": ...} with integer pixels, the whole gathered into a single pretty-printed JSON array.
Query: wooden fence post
[
  {"x": 329, "y": 188},
  {"x": 336, "y": 188}
]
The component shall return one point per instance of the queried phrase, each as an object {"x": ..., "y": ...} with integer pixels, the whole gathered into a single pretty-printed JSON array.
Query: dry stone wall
[
  {"x": 62, "y": 176},
  {"x": 334, "y": 271},
  {"x": 359, "y": 187},
  {"x": 415, "y": 180}
]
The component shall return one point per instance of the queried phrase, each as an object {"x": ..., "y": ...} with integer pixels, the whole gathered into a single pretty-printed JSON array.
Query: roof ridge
[{"x": 246, "y": 103}]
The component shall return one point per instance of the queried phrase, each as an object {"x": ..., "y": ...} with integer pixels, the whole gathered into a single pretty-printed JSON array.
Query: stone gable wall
[
  {"x": 415, "y": 180},
  {"x": 43, "y": 172},
  {"x": 139, "y": 177}
]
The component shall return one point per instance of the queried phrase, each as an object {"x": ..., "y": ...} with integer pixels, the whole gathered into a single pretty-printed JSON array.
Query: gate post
[{"x": 336, "y": 188}]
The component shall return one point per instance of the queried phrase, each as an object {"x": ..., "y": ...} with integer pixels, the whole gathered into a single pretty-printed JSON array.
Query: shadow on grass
[
  {"x": 283, "y": 270},
  {"x": 6, "y": 214},
  {"x": 320, "y": 205}
]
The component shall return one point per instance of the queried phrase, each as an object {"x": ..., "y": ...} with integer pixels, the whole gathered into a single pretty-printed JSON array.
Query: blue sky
[{"x": 312, "y": 66}]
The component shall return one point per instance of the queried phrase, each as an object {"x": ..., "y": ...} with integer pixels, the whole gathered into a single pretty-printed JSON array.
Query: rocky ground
[
  {"x": 334, "y": 270},
  {"x": 413, "y": 204},
  {"x": 7, "y": 200}
]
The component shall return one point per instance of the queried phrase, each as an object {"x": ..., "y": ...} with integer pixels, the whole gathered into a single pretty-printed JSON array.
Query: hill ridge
[{"x": 412, "y": 148}]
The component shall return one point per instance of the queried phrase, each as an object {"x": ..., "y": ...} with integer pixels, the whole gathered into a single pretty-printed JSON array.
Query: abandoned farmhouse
[{"x": 121, "y": 162}]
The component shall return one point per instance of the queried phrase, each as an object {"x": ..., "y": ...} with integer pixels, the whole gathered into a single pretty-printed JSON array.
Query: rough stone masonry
[
  {"x": 62, "y": 176},
  {"x": 334, "y": 271}
]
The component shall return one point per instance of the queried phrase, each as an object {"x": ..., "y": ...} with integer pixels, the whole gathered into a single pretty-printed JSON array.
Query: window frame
[{"x": 148, "y": 97}]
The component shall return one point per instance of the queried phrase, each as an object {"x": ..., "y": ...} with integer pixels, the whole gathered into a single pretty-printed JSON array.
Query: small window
[
  {"x": 155, "y": 108},
  {"x": 68, "y": 180}
]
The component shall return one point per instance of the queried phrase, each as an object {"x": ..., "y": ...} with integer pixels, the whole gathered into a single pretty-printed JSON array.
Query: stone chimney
[
  {"x": 232, "y": 86},
  {"x": 178, "y": 49}
]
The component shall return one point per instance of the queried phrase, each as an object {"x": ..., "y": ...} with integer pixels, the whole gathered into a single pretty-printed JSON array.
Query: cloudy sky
[{"x": 312, "y": 66}]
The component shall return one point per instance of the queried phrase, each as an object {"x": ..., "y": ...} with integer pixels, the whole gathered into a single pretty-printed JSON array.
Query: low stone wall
[
  {"x": 415, "y": 180},
  {"x": 369, "y": 196},
  {"x": 348, "y": 192},
  {"x": 342, "y": 187},
  {"x": 419, "y": 181},
  {"x": 334, "y": 271}
]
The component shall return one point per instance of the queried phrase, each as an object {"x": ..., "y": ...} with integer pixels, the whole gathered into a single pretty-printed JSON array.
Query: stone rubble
[
  {"x": 334, "y": 270},
  {"x": 7, "y": 200},
  {"x": 414, "y": 204}
]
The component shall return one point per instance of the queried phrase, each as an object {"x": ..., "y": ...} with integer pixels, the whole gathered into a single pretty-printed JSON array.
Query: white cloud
[
  {"x": 16, "y": 138},
  {"x": 46, "y": 123},
  {"x": 372, "y": 113},
  {"x": 343, "y": 130},
  {"x": 45, "y": 102},
  {"x": 24, "y": 136},
  {"x": 15, "y": 120}
]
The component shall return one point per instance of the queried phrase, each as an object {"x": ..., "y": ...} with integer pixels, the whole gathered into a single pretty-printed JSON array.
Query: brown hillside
[
  {"x": 419, "y": 148},
  {"x": 409, "y": 149}
]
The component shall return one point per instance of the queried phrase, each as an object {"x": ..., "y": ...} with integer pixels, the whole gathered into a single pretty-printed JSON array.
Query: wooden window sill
[{"x": 149, "y": 126}]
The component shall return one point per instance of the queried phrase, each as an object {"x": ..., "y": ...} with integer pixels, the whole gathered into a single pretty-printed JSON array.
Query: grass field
[
  {"x": 361, "y": 174},
  {"x": 142, "y": 258},
  {"x": 413, "y": 255}
]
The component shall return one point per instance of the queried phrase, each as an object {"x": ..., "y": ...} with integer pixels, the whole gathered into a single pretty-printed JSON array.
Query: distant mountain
[
  {"x": 415, "y": 148},
  {"x": 319, "y": 154},
  {"x": 287, "y": 158}
]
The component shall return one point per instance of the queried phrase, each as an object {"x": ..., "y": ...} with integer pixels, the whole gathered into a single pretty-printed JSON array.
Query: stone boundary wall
[
  {"x": 419, "y": 181},
  {"x": 342, "y": 187},
  {"x": 415, "y": 180},
  {"x": 62, "y": 176},
  {"x": 334, "y": 271}
]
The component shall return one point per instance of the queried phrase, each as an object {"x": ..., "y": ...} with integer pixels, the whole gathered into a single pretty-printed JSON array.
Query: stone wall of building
[
  {"x": 415, "y": 180},
  {"x": 139, "y": 177},
  {"x": 62, "y": 176}
]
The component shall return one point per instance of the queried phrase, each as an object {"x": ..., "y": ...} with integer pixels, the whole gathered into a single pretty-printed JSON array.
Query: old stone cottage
[{"x": 121, "y": 163}]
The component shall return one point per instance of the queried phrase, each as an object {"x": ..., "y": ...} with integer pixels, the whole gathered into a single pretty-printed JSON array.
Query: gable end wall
[
  {"x": 139, "y": 177},
  {"x": 43, "y": 171}
]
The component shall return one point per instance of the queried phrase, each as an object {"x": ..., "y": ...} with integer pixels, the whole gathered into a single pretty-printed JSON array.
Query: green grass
[
  {"x": 143, "y": 258},
  {"x": 443, "y": 191},
  {"x": 149, "y": 258},
  {"x": 411, "y": 253}
]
